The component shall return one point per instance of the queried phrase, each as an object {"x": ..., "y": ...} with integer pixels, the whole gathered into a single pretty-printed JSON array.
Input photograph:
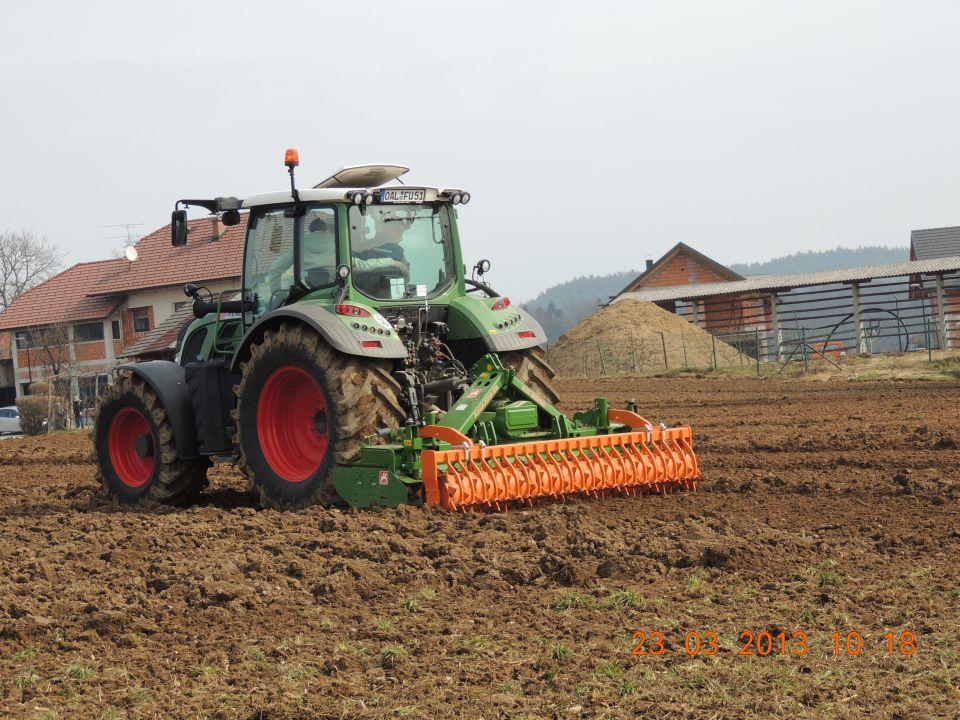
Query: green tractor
[{"x": 359, "y": 361}]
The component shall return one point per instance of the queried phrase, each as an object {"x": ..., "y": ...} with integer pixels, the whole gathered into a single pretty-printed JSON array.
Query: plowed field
[{"x": 825, "y": 508}]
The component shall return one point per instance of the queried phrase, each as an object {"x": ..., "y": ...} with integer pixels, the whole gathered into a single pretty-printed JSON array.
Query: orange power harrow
[{"x": 637, "y": 462}]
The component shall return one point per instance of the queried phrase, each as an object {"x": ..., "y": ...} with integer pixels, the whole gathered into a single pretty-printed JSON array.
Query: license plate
[{"x": 402, "y": 195}]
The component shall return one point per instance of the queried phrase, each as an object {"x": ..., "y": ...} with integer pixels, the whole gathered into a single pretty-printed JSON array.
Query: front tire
[
  {"x": 135, "y": 451},
  {"x": 304, "y": 408}
]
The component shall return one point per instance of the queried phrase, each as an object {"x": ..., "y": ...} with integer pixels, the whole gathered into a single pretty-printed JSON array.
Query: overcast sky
[{"x": 591, "y": 135}]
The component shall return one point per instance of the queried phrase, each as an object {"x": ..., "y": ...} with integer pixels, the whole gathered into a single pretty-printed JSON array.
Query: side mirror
[
  {"x": 178, "y": 228},
  {"x": 230, "y": 218}
]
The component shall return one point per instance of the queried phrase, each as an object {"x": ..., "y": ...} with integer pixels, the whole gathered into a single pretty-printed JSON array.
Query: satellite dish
[{"x": 131, "y": 253}]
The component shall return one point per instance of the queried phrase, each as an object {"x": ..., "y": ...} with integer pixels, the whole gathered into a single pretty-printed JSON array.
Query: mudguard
[
  {"x": 471, "y": 317},
  {"x": 505, "y": 340},
  {"x": 168, "y": 380},
  {"x": 330, "y": 327}
]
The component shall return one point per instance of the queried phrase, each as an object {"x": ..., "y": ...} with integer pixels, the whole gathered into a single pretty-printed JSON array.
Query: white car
[{"x": 10, "y": 419}]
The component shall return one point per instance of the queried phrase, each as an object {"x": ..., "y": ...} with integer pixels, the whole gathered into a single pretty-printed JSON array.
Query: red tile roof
[
  {"x": 64, "y": 297},
  {"x": 213, "y": 252}
]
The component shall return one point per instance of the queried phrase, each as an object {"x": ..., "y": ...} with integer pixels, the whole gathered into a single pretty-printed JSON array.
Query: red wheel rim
[
  {"x": 292, "y": 423},
  {"x": 125, "y": 427}
]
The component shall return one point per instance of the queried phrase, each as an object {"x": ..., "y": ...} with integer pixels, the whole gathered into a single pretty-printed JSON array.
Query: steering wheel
[{"x": 276, "y": 301}]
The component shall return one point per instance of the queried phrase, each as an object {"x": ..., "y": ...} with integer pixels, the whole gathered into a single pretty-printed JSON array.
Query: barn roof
[
  {"x": 771, "y": 283},
  {"x": 677, "y": 249},
  {"x": 934, "y": 243}
]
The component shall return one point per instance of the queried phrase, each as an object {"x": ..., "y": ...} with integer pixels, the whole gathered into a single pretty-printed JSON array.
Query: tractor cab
[{"x": 375, "y": 245}]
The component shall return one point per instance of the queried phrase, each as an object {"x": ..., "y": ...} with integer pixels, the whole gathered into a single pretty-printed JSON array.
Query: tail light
[
  {"x": 500, "y": 304},
  {"x": 527, "y": 334},
  {"x": 370, "y": 343}
]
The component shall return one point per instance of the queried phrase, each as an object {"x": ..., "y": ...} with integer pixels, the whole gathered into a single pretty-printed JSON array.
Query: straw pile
[{"x": 634, "y": 337}]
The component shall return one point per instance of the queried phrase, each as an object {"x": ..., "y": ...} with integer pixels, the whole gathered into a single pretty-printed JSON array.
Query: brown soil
[
  {"x": 631, "y": 337},
  {"x": 823, "y": 508}
]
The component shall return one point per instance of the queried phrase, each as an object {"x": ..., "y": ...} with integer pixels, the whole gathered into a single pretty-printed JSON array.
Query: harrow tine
[{"x": 630, "y": 464}]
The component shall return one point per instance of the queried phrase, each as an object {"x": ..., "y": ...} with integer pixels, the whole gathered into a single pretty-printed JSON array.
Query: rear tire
[
  {"x": 532, "y": 368},
  {"x": 135, "y": 451},
  {"x": 304, "y": 408}
]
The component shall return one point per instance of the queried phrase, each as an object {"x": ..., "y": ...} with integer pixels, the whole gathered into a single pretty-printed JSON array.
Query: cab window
[{"x": 394, "y": 249}]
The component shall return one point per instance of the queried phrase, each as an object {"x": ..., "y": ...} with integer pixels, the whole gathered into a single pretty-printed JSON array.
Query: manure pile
[{"x": 629, "y": 336}]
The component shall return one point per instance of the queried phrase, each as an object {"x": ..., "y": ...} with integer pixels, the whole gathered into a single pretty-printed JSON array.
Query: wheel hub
[
  {"x": 144, "y": 445},
  {"x": 130, "y": 442},
  {"x": 293, "y": 423}
]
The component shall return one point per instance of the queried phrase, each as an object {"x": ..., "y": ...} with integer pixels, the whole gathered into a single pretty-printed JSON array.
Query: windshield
[
  {"x": 268, "y": 272},
  {"x": 394, "y": 249}
]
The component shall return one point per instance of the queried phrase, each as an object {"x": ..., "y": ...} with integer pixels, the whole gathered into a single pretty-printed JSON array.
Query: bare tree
[
  {"x": 50, "y": 344},
  {"x": 25, "y": 260}
]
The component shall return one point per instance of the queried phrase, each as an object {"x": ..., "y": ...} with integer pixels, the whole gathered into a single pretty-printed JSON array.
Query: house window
[
  {"x": 88, "y": 332},
  {"x": 177, "y": 306},
  {"x": 23, "y": 341},
  {"x": 141, "y": 320},
  {"x": 115, "y": 329}
]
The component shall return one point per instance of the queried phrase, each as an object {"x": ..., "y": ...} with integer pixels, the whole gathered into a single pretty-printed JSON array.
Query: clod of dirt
[
  {"x": 567, "y": 572},
  {"x": 715, "y": 558},
  {"x": 608, "y": 569}
]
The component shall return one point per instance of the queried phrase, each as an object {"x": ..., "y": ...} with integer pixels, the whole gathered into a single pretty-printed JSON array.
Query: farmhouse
[{"x": 77, "y": 324}]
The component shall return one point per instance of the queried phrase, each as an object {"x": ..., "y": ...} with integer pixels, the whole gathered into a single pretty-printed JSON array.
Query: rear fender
[
  {"x": 168, "y": 380},
  {"x": 331, "y": 327},
  {"x": 512, "y": 328}
]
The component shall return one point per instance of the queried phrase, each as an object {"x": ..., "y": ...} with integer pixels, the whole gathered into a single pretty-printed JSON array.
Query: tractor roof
[
  {"x": 431, "y": 194},
  {"x": 343, "y": 184}
]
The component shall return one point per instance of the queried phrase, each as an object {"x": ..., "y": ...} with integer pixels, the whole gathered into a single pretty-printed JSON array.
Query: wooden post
[
  {"x": 696, "y": 313},
  {"x": 603, "y": 367},
  {"x": 757, "y": 336},
  {"x": 777, "y": 337},
  {"x": 857, "y": 319},
  {"x": 664, "y": 343},
  {"x": 941, "y": 313},
  {"x": 803, "y": 346},
  {"x": 683, "y": 342},
  {"x": 713, "y": 340}
]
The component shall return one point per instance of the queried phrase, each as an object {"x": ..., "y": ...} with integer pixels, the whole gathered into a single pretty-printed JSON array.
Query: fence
[
  {"x": 890, "y": 315},
  {"x": 824, "y": 323}
]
